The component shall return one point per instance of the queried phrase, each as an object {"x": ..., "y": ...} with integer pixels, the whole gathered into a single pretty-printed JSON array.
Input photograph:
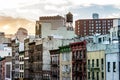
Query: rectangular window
[
  {"x": 92, "y": 62},
  {"x": 97, "y": 62},
  {"x": 102, "y": 75},
  {"x": 97, "y": 75},
  {"x": 108, "y": 65},
  {"x": 88, "y": 75},
  {"x": 102, "y": 64},
  {"x": 88, "y": 64},
  {"x": 93, "y": 75},
  {"x": 114, "y": 66}
]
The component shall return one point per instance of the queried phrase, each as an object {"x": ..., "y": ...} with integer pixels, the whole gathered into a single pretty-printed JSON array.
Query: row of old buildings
[{"x": 58, "y": 51}]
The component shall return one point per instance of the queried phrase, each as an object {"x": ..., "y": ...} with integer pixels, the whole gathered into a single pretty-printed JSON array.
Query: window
[
  {"x": 93, "y": 75},
  {"x": 102, "y": 64},
  {"x": 65, "y": 56},
  {"x": 99, "y": 40},
  {"x": 92, "y": 62},
  {"x": 102, "y": 75},
  {"x": 114, "y": 66},
  {"x": 88, "y": 75},
  {"x": 97, "y": 62},
  {"x": 89, "y": 64},
  {"x": 108, "y": 65},
  {"x": 97, "y": 75}
]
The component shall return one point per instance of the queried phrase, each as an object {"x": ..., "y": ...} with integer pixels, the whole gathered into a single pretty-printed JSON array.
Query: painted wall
[
  {"x": 94, "y": 55},
  {"x": 113, "y": 57}
]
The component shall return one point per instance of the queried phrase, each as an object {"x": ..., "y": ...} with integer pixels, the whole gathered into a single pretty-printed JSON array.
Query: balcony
[{"x": 95, "y": 69}]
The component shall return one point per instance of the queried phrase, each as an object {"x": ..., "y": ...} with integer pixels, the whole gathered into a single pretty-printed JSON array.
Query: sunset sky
[{"x": 24, "y": 13}]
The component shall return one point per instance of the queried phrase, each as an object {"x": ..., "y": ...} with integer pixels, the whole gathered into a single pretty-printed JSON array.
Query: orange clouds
[{"x": 10, "y": 25}]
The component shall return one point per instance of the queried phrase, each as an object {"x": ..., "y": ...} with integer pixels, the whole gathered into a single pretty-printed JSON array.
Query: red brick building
[
  {"x": 79, "y": 57},
  {"x": 85, "y": 27}
]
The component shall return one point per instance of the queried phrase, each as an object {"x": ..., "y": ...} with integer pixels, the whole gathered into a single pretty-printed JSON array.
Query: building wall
[
  {"x": 79, "y": 56},
  {"x": 66, "y": 66},
  {"x": 113, "y": 72},
  {"x": 2, "y": 69},
  {"x": 85, "y": 27},
  {"x": 26, "y": 56},
  {"x": 55, "y": 68},
  {"x": 15, "y": 59},
  {"x": 21, "y": 65},
  {"x": 112, "y": 58},
  {"x": 95, "y": 67},
  {"x": 8, "y": 70}
]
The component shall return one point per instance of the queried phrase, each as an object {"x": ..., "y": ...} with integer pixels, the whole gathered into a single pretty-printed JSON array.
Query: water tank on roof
[
  {"x": 95, "y": 16},
  {"x": 69, "y": 17}
]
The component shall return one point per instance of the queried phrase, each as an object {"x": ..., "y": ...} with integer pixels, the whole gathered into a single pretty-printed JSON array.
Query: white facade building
[
  {"x": 112, "y": 53},
  {"x": 112, "y": 62}
]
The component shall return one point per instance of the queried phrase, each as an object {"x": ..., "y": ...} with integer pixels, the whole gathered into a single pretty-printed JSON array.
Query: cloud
[
  {"x": 114, "y": 15},
  {"x": 10, "y": 25},
  {"x": 32, "y": 9}
]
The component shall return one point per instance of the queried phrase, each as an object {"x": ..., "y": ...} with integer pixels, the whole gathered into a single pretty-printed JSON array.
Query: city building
[
  {"x": 88, "y": 27},
  {"x": 2, "y": 69},
  {"x": 26, "y": 56},
  {"x": 37, "y": 60},
  {"x": 79, "y": 60},
  {"x": 17, "y": 44},
  {"x": 21, "y": 34},
  {"x": 3, "y": 38},
  {"x": 55, "y": 64},
  {"x": 21, "y": 65},
  {"x": 5, "y": 50},
  {"x": 8, "y": 68},
  {"x": 113, "y": 53},
  {"x": 53, "y": 32},
  {"x": 65, "y": 63},
  {"x": 31, "y": 59},
  {"x": 112, "y": 62},
  {"x": 15, "y": 58},
  {"x": 96, "y": 61}
]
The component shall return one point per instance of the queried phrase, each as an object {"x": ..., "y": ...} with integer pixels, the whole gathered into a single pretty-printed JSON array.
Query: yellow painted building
[{"x": 96, "y": 65}]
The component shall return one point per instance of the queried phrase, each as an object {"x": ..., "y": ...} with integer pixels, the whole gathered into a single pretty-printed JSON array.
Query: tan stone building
[
  {"x": 96, "y": 62},
  {"x": 65, "y": 63}
]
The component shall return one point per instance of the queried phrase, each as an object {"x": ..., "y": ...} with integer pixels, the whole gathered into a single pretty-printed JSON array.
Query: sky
[{"x": 24, "y": 13}]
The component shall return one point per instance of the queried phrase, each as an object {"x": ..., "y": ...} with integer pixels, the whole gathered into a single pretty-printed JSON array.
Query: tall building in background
[
  {"x": 88, "y": 27},
  {"x": 21, "y": 34}
]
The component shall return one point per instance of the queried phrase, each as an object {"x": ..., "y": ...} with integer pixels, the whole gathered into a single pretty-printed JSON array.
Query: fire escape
[
  {"x": 54, "y": 64},
  {"x": 79, "y": 60}
]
